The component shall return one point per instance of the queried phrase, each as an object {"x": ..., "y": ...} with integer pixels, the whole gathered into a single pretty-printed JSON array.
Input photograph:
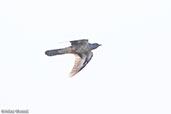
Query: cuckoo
[{"x": 82, "y": 51}]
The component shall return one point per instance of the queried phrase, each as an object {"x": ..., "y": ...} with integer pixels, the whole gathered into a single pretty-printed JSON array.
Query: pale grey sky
[{"x": 129, "y": 74}]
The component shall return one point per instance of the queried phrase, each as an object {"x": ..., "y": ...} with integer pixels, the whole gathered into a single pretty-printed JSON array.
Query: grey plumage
[
  {"x": 81, "y": 49},
  {"x": 53, "y": 52}
]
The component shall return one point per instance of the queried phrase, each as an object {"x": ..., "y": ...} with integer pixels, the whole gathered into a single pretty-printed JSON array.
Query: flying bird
[{"x": 82, "y": 51}]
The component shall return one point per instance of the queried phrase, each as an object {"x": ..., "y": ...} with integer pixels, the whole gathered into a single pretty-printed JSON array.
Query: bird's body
[{"x": 82, "y": 51}]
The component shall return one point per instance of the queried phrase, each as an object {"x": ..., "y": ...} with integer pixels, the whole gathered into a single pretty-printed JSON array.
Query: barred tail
[{"x": 58, "y": 51}]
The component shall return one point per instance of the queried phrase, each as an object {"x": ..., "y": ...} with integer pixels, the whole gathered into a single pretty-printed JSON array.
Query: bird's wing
[
  {"x": 80, "y": 62},
  {"x": 78, "y": 42}
]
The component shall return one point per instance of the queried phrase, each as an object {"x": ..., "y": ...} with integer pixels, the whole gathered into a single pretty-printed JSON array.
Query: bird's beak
[{"x": 100, "y": 44}]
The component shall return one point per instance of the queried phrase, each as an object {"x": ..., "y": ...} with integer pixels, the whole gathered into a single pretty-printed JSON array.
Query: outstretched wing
[
  {"x": 80, "y": 62},
  {"x": 78, "y": 42}
]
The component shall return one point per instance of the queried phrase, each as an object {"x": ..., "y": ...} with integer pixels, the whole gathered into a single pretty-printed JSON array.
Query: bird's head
[{"x": 94, "y": 46}]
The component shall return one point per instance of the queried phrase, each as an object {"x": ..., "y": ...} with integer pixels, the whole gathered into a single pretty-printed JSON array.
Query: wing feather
[
  {"x": 78, "y": 42},
  {"x": 80, "y": 62}
]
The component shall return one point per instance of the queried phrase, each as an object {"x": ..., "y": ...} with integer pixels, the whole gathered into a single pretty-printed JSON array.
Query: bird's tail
[{"x": 58, "y": 51}]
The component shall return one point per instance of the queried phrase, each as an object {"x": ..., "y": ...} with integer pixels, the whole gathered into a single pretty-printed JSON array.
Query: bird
[{"x": 82, "y": 50}]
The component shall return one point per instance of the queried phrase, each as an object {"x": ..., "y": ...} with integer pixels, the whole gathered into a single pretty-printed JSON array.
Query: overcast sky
[{"x": 129, "y": 74}]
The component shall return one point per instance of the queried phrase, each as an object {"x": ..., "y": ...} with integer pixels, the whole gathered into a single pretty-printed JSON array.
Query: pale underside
[{"x": 80, "y": 62}]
